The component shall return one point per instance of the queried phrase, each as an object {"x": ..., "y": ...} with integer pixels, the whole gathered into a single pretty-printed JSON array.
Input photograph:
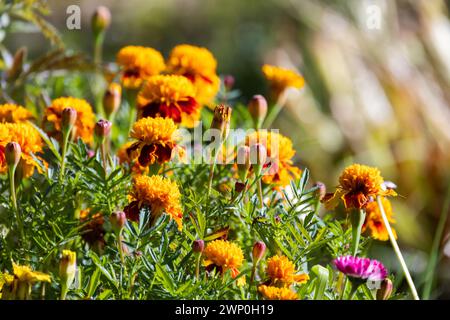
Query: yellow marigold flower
[
  {"x": 169, "y": 96},
  {"x": 358, "y": 184},
  {"x": 224, "y": 255},
  {"x": 159, "y": 194},
  {"x": 281, "y": 270},
  {"x": 14, "y": 113},
  {"x": 84, "y": 125},
  {"x": 279, "y": 157},
  {"x": 155, "y": 140},
  {"x": 30, "y": 142},
  {"x": 198, "y": 65},
  {"x": 139, "y": 63},
  {"x": 18, "y": 285},
  {"x": 276, "y": 293},
  {"x": 374, "y": 222},
  {"x": 281, "y": 79},
  {"x": 26, "y": 274}
]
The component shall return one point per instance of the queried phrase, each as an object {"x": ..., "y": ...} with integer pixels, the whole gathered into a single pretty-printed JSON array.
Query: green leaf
[{"x": 321, "y": 274}]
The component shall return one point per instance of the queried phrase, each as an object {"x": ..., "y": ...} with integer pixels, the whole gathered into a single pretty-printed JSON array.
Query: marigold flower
[
  {"x": 139, "y": 63},
  {"x": 18, "y": 285},
  {"x": 224, "y": 255},
  {"x": 93, "y": 231},
  {"x": 155, "y": 140},
  {"x": 169, "y": 96},
  {"x": 14, "y": 113},
  {"x": 281, "y": 271},
  {"x": 358, "y": 184},
  {"x": 374, "y": 222},
  {"x": 130, "y": 158},
  {"x": 85, "y": 119},
  {"x": 361, "y": 268},
  {"x": 281, "y": 79},
  {"x": 157, "y": 193},
  {"x": 198, "y": 65},
  {"x": 276, "y": 293},
  {"x": 279, "y": 152},
  {"x": 30, "y": 143}
]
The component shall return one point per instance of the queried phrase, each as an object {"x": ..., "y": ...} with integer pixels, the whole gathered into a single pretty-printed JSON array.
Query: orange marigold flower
[
  {"x": 358, "y": 184},
  {"x": 93, "y": 231},
  {"x": 276, "y": 293},
  {"x": 155, "y": 140},
  {"x": 85, "y": 122},
  {"x": 139, "y": 63},
  {"x": 281, "y": 271},
  {"x": 374, "y": 222},
  {"x": 169, "y": 96},
  {"x": 281, "y": 79},
  {"x": 126, "y": 157},
  {"x": 159, "y": 194},
  {"x": 14, "y": 113},
  {"x": 224, "y": 255},
  {"x": 279, "y": 157},
  {"x": 198, "y": 65},
  {"x": 30, "y": 143}
]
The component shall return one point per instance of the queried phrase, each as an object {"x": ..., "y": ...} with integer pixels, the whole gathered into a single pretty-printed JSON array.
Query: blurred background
[{"x": 377, "y": 88}]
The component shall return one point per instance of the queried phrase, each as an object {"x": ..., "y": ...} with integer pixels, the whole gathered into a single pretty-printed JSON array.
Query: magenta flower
[{"x": 361, "y": 268}]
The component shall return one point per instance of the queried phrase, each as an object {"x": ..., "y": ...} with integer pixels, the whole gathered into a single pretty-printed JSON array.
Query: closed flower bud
[
  {"x": 257, "y": 108},
  {"x": 12, "y": 154},
  {"x": 101, "y": 20},
  {"x": 102, "y": 128},
  {"x": 221, "y": 120},
  {"x": 243, "y": 162},
  {"x": 258, "y": 251},
  {"x": 321, "y": 190},
  {"x": 118, "y": 220},
  {"x": 67, "y": 267},
  {"x": 385, "y": 290},
  {"x": 228, "y": 81},
  {"x": 112, "y": 99},
  {"x": 68, "y": 118},
  {"x": 198, "y": 246},
  {"x": 17, "y": 64}
]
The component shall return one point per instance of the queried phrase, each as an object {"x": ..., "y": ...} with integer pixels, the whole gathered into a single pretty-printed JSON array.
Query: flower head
[
  {"x": 85, "y": 119},
  {"x": 139, "y": 63},
  {"x": 155, "y": 140},
  {"x": 281, "y": 271},
  {"x": 130, "y": 158},
  {"x": 361, "y": 268},
  {"x": 93, "y": 231},
  {"x": 169, "y": 96},
  {"x": 374, "y": 222},
  {"x": 358, "y": 185},
  {"x": 281, "y": 79},
  {"x": 159, "y": 194},
  {"x": 18, "y": 285},
  {"x": 30, "y": 143},
  {"x": 14, "y": 113},
  {"x": 224, "y": 255},
  {"x": 199, "y": 66},
  {"x": 276, "y": 293},
  {"x": 279, "y": 157}
]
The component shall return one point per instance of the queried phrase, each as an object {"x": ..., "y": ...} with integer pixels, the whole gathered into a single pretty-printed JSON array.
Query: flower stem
[
  {"x": 119, "y": 247},
  {"x": 212, "y": 167},
  {"x": 397, "y": 250},
  {"x": 12, "y": 186},
  {"x": 272, "y": 115},
  {"x": 357, "y": 219},
  {"x": 66, "y": 134},
  {"x": 260, "y": 193},
  {"x": 64, "y": 290},
  {"x": 197, "y": 265}
]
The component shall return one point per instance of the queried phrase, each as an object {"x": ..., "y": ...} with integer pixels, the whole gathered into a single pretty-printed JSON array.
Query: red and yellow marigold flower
[
  {"x": 30, "y": 143},
  {"x": 159, "y": 194},
  {"x": 358, "y": 185},
  {"x": 281, "y": 272},
  {"x": 85, "y": 122},
  {"x": 169, "y": 96},
  {"x": 374, "y": 224},
  {"x": 138, "y": 64},
  {"x": 224, "y": 255},
  {"x": 14, "y": 113},
  {"x": 279, "y": 157},
  {"x": 199, "y": 66},
  {"x": 276, "y": 293},
  {"x": 281, "y": 79},
  {"x": 93, "y": 231},
  {"x": 126, "y": 157}
]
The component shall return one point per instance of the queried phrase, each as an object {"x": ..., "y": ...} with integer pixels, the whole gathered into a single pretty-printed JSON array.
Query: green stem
[
  {"x": 397, "y": 250},
  {"x": 357, "y": 219},
  {"x": 260, "y": 193},
  {"x": 197, "y": 265},
  {"x": 119, "y": 247},
  {"x": 64, "y": 291},
  {"x": 12, "y": 186},
  {"x": 66, "y": 134},
  {"x": 353, "y": 290},
  {"x": 272, "y": 115},
  {"x": 212, "y": 167}
]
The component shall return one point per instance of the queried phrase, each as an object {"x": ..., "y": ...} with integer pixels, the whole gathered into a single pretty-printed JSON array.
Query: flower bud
[
  {"x": 68, "y": 118},
  {"x": 112, "y": 99},
  {"x": 257, "y": 108},
  {"x": 221, "y": 120},
  {"x": 12, "y": 154},
  {"x": 118, "y": 220},
  {"x": 198, "y": 246},
  {"x": 228, "y": 81},
  {"x": 243, "y": 162},
  {"x": 17, "y": 64},
  {"x": 102, "y": 128},
  {"x": 321, "y": 190},
  {"x": 385, "y": 290},
  {"x": 68, "y": 267},
  {"x": 258, "y": 251},
  {"x": 101, "y": 20}
]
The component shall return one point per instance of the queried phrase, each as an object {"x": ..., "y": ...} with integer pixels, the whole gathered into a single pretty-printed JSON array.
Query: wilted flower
[
  {"x": 224, "y": 255},
  {"x": 361, "y": 268}
]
